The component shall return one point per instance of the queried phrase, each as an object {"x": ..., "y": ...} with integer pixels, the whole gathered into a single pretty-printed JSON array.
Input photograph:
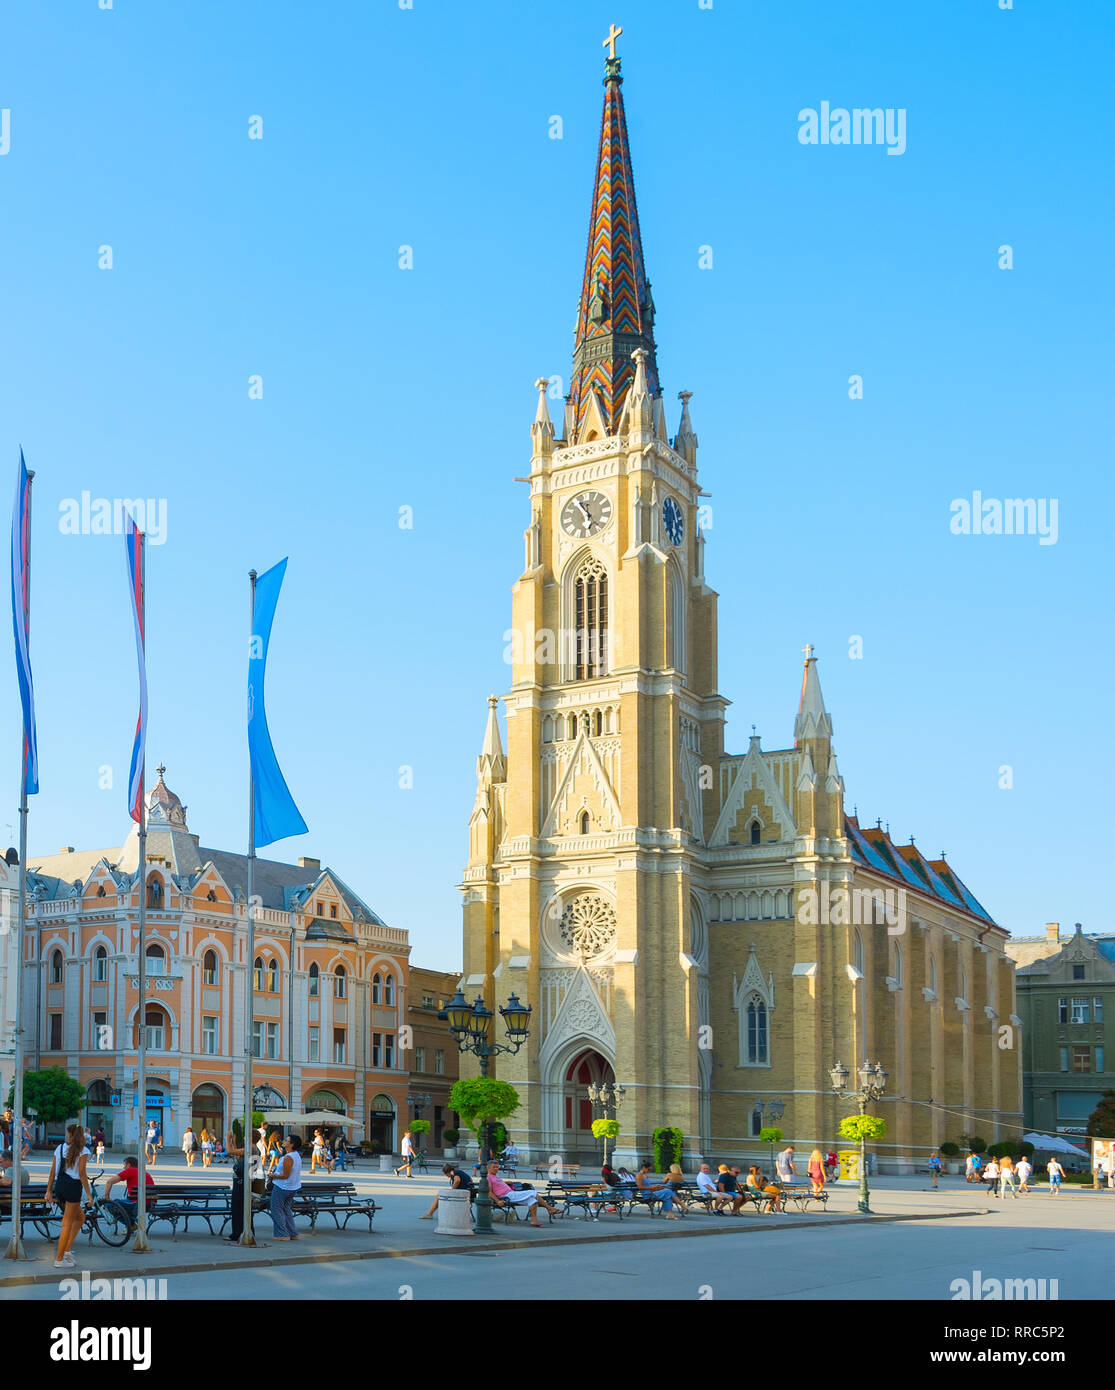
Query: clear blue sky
[{"x": 386, "y": 388}]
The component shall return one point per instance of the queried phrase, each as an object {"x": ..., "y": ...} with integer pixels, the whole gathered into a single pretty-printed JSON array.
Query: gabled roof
[{"x": 874, "y": 849}]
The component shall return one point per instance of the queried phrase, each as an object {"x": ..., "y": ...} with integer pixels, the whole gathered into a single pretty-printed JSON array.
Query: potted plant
[
  {"x": 605, "y": 1129},
  {"x": 449, "y": 1139},
  {"x": 770, "y": 1134},
  {"x": 863, "y": 1128},
  {"x": 949, "y": 1152}
]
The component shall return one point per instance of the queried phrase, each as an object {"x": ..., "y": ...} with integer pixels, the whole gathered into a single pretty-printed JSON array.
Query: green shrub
[
  {"x": 667, "y": 1148},
  {"x": 450, "y": 1137},
  {"x": 865, "y": 1127},
  {"x": 949, "y": 1149}
]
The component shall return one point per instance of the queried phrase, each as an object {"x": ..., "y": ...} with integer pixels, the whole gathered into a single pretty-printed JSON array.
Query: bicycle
[{"x": 104, "y": 1216}]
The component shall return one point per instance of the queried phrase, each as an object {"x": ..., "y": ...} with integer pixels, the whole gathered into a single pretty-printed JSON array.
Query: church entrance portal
[{"x": 587, "y": 1068}]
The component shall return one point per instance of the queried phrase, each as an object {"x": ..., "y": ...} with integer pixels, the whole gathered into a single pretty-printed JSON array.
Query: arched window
[
  {"x": 209, "y": 968},
  {"x": 757, "y": 1032},
  {"x": 273, "y": 977},
  {"x": 154, "y": 891},
  {"x": 586, "y": 822},
  {"x": 101, "y": 891},
  {"x": 755, "y": 832},
  {"x": 590, "y": 619},
  {"x": 100, "y": 964},
  {"x": 257, "y": 968},
  {"x": 155, "y": 1020},
  {"x": 339, "y": 982},
  {"x": 932, "y": 974},
  {"x": 377, "y": 988},
  {"x": 156, "y": 958},
  {"x": 857, "y": 951},
  {"x": 548, "y": 729},
  {"x": 896, "y": 963},
  {"x": 56, "y": 968},
  {"x": 389, "y": 990},
  {"x": 598, "y": 723},
  {"x": 756, "y": 1121},
  {"x": 964, "y": 985},
  {"x": 677, "y": 625},
  {"x": 315, "y": 981}
]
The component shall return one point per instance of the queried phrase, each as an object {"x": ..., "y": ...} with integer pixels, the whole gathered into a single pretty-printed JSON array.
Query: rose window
[{"x": 588, "y": 926}]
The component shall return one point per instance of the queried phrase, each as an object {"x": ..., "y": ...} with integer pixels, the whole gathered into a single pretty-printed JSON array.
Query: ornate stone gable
[
  {"x": 581, "y": 1015},
  {"x": 754, "y": 787},
  {"x": 585, "y": 786}
]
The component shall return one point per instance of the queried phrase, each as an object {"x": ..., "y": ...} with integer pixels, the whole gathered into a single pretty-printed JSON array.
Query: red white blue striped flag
[
  {"x": 21, "y": 622},
  {"x": 134, "y": 546}
]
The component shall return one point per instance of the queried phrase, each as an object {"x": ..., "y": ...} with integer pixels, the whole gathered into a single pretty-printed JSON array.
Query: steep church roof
[
  {"x": 873, "y": 847},
  {"x": 616, "y": 312}
]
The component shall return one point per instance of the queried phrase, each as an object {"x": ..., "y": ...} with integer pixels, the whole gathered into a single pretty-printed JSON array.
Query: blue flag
[
  {"x": 274, "y": 813},
  {"x": 21, "y": 622}
]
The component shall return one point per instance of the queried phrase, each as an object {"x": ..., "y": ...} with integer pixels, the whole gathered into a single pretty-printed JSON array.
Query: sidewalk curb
[{"x": 151, "y": 1271}]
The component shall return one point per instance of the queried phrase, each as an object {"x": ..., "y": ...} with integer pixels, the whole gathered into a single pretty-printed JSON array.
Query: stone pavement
[{"x": 398, "y": 1231}]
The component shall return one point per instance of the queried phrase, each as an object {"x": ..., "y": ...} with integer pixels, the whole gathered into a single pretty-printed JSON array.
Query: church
[{"x": 712, "y": 931}]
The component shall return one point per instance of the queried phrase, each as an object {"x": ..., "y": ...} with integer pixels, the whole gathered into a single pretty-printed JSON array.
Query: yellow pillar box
[{"x": 849, "y": 1165}]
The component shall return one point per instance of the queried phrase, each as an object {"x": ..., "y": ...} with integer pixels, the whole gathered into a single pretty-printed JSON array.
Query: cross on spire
[
  {"x": 610, "y": 42},
  {"x": 808, "y": 650},
  {"x": 160, "y": 770}
]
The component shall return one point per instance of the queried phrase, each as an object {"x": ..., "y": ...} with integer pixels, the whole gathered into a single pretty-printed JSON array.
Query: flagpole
[
  {"x": 247, "y": 1236},
  {"x": 15, "y": 1250},
  {"x": 140, "y": 1245}
]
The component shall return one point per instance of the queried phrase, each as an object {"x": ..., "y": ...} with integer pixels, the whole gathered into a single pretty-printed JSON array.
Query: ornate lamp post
[
  {"x": 606, "y": 1099},
  {"x": 775, "y": 1110},
  {"x": 469, "y": 1026},
  {"x": 872, "y": 1084}
]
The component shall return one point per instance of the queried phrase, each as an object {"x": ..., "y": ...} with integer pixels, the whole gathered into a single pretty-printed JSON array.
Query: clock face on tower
[
  {"x": 673, "y": 521},
  {"x": 586, "y": 514}
]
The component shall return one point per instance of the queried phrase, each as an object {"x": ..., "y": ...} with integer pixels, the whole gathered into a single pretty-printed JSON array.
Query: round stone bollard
[
  {"x": 453, "y": 1214},
  {"x": 386, "y": 1163}
]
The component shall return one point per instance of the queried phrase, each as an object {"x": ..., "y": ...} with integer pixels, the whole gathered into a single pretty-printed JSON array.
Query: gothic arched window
[
  {"x": 56, "y": 968},
  {"x": 757, "y": 1051},
  {"x": 755, "y": 832},
  {"x": 389, "y": 991},
  {"x": 209, "y": 968},
  {"x": 339, "y": 982},
  {"x": 590, "y": 620},
  {"x": 273, "y": 977},
  {"x": 585, "y": 822},
  {"x": 258, "y": 969},
  {"x": 100, "y": 964},
  {"x": 315, "y": 981},
  {"x": 377, "y": 988}
]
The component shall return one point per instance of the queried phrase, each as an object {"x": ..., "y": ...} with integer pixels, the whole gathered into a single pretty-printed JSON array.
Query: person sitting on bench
[
  {"x": 504, "y": 1195},
  {"x": 129, "y": 1176}
]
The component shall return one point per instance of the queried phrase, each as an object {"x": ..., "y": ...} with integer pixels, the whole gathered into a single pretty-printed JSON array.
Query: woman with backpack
[{"x": 65, "y": 1184}]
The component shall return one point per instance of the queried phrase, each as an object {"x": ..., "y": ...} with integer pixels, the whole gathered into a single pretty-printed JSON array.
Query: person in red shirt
[{"x": 130, "y": 1178}]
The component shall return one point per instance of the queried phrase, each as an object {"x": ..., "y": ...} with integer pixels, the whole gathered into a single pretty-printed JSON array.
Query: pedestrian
[
  {"x": 991, "y": 1176},
  {"x": 1056, "y": 1173},
  {"x": 284, "y": 1185},
  {"x": 407, "y": 1151},
  {"x": 831, "y": 1162},
  {"x": 153, "y": 1142},
  {"x": 189, "y": 1146},
  {"x": 786, "y": 1169},
  {"x": 1007, "y": 1177},
  {"x": 25, "y": 1152},
  {"x": 1024, "y": 1168},
  {"x": 206, "y": 1148},
  {"x": 817, "y": 1172},
  {"x": 977, "y": 1168},
  {"x": 274, "y": 1151},
  {"x": 340, "y": 1153},
  {"x": 319, "y": 1157},
  {"x": 99, "y": 1142},
  {"x": 935, "y": 1167},
  {"x": 66, "y": 1182},
  {"x": 240, "y": 1159},
  {"x": 129, "y": 1176},
  {"x": 459, "y": 1181},
  {"x": 969, "y": 1168}
]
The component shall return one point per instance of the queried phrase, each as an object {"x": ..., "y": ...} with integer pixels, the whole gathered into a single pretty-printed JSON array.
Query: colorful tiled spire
[{"x": 616, "y": 313}]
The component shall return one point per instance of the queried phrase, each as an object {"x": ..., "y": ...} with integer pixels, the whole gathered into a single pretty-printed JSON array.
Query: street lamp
[
  {"x": 872, "y": 1084},
  {"x": 469, "y": 1027},
  {"x": 606, "y": 1099}
]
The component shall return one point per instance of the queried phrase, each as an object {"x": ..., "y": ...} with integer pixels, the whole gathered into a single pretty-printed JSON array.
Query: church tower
[
  {"x": 711, "y": 931},
  {"x": 580, "y": 899}
]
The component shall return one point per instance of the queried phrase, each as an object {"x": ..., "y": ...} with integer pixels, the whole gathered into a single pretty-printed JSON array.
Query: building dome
[{"x": 163, "y": 805}]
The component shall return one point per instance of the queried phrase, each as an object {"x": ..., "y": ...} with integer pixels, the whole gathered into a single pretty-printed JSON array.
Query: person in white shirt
[
  {"x": 407, "y": 1151},
  {"x": 1056, "y": 1173},
  {"x": 1024, "y": 1168},
  {"x": 284, "y": 1185},
  {"x": 706, "y": 1186},
  {"x": 786, "y": 1169},
  {"x": 991, "y": 1176}
]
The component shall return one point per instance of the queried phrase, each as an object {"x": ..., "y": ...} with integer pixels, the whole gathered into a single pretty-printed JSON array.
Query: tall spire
[
  {"x": 813, "y": 719},
  {"x": 616, "y": 313}
]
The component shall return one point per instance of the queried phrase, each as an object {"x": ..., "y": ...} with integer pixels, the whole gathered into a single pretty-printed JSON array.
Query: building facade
[
  {"x": 1066, "y": 994},
  {"x": 328, "y": 980},
  {"x": 9, "y": 906},
  {"x": 434, "y": 1059},
  {"x": 709, "y": 929}
]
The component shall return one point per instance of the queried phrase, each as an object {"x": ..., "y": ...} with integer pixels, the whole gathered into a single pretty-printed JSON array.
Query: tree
[
  {"x": 1101, "y": 1122},
  {"x": 419, "y": 1127},
  {"x": 481, "y": 1099},
  {"x": 52, "y": 1094},
  {"x": 605, "y": 1129},
  {"x": 667, "y": 1147},
  {"x": 863, "y": 1128}
]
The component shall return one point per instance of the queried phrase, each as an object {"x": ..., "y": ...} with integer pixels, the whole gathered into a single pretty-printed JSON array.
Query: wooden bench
[
  {"x": 174, "y": 1202},
  {"x": 335, "y": 1199},
  {"x": 543, "y": 1170},
  {"x": 33, "y": 1208},
  {"x": 802, "y": 1199},
  {"x": 590, "y": 1199}
]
